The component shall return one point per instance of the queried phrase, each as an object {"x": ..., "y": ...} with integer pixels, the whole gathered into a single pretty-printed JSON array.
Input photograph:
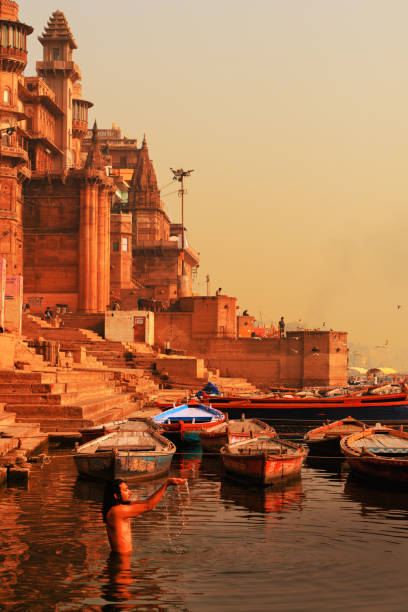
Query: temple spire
[
  {"x": 95, "y": 159},
  {"x": 57, "y": 29}
]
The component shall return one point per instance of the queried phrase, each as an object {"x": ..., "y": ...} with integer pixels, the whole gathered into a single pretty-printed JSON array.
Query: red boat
[
  {"x": 263, "y": 460},
  {"x": 325, "y": 440},
  {"x": 228, "y": 432},
  {"x": 379, "y": 454},
  {"x": 366, "y": 407},
  {"x": 184, "y": 424}
]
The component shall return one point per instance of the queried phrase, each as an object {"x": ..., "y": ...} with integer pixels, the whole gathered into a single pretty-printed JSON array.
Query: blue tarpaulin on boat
[{"x": 210, "y": 389}]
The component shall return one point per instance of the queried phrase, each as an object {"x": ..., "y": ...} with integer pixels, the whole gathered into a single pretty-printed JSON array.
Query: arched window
[{"x": 6, "y": 96}]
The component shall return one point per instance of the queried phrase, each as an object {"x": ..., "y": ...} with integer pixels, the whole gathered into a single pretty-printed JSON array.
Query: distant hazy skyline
[{"x": 293, "y": 114}]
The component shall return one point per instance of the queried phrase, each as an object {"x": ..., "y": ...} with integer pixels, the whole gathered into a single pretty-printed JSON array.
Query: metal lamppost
[{"x": 178, "y": 175}]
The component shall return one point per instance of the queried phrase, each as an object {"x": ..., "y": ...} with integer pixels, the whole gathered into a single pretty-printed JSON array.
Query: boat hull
[
  {"x": 183, "y": 434},
  {"x": 264, "y": 460},
  {"x": 325, "y": 440},
  {"x": 136, "y": 453},
  {"x": 184, "y": 424},
  {"x": 230, "y": 432},
  {"x": 107, "y": 466},
  {"x": 263, "y": 469},
  {"x": 375, "y": 470},
  {"x": 387, "y": 408},
  {"x": 379, "y": 454}
]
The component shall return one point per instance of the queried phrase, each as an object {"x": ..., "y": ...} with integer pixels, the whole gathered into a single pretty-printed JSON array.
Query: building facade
[{"x": 58, "y": 181}]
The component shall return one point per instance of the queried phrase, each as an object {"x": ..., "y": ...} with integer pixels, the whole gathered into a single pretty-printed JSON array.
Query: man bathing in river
[{"x": 118, "y": 510}]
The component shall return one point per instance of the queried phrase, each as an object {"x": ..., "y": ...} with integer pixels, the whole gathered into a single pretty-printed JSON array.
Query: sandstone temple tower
[
  {"x": 157, "y": 245},
  {"x": 59, "y": 180},
  {"x": 66, "y": 204},
  {"x": 14, "y": 163}
]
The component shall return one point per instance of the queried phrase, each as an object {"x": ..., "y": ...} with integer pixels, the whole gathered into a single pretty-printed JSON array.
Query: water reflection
[
  {"x": 208, "y": 547},
  {"x": 333, "y": 465},
  {"x": 189, "y": 462},
  {"x": 211, "y": 467},
  {"x": 264, "y": 500},
  {"x": 372, "y": 499},
  {"x": 89, "y": 489},
  {"x": 130, "y": 583}
]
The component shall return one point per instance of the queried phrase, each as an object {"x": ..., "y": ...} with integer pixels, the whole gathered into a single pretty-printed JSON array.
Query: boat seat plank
[
  {"x": 187, "y": 419},
  {"x": 392, "y": 450},
  {"x": 127, "y": 447},
  {"x": 390, "y": 441}
]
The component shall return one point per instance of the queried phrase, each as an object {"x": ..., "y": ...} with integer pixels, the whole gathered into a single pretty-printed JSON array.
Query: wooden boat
[
  {"x": 378, "y": 453},
  {"x": 184, "y": 424},
  {"x": 136, "y": 455},
  {"x": 96, "y": 431},
  {"x": 228, "y": 432},
  {"x": 264, "y": 460},
  {"x": 325, "y": 440},
  {"x": 365, "y": 407}
]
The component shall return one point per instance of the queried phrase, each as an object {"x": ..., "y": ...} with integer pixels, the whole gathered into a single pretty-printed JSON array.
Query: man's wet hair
[{"x": 112, "y": 488}]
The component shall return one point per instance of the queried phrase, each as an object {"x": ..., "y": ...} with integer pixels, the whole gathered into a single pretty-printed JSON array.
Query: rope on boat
[{"x": 48, "y": 458}]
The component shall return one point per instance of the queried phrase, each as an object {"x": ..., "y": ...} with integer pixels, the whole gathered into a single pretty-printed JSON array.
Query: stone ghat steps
[
  {"x": 52, "y": 376},
  {"x": 121, "y": 411},
  {"x": 84, "y": 408},
  {"x": 6, "y": 418},
  {"x": 58, "y": 396},
  {"x": 227, "y": 386},
  {"x": 56, "y": 399},
  {"x": 108, "y": 353},
  {"x": 234, "y": 385},
  {"x": 50, "y": 388},
  {"x": 28, "y": 435}
]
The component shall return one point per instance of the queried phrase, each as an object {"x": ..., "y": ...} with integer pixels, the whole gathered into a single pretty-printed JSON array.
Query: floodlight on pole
[
  {"x": 8, "y": 130},
  {"x": 178, "y": 175}
]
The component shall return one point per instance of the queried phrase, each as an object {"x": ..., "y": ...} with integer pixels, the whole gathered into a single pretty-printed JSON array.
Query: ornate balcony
[
  {"x": 79, "y": 128},
  {"x": 12, "y": 60}
]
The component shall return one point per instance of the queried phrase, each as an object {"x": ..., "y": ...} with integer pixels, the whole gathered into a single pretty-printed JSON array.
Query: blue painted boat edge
[{"x": 162, "y": 416}]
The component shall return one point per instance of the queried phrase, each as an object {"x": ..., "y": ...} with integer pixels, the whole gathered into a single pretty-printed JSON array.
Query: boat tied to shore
[
  {"x": 325, "y": 439},
  {"x": 184, "y": 424},
  {"x": 265, "y": 460},
  {"x": 378, "y": 454},
  {"x": 129, "y": 424},
  {"x": 229, "y": 431},
  {"x": 136, "y": 455},
  {"x": 381, "y": 403}
]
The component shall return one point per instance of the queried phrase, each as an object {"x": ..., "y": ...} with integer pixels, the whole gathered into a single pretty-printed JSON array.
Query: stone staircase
[
  {"x": 177, "y": 394},
  {"x": 60, "y": 400},
  {"x": 132, "y": 367},
  {"x": 25, "y": 436},
  {"x": 113, "y": 355},
  {"x": 133, "y": 363},
  {"x": 234, "y": 386}
]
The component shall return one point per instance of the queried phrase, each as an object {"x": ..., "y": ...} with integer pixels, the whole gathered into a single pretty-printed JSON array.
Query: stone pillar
[
  {"x": 108, "y": 245},
  {"x": 83, "y": 262},
  {"x": 88, "y": 248},
  {"x": 103, "y": 249},
  {"x": 93, "y": 263},
  {"x": 13, "y": 304},
  {"x": 2, "y": 288}
]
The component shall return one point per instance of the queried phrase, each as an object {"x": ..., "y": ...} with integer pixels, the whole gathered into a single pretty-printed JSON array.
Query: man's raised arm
[{"x": 138, "y": 507}]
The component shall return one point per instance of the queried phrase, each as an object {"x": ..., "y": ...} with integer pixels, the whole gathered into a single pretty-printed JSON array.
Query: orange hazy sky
[{"x": 293, "y": 114}]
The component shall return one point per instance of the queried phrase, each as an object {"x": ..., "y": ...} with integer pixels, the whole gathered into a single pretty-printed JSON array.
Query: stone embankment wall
[{"x": 302, "y": 358}]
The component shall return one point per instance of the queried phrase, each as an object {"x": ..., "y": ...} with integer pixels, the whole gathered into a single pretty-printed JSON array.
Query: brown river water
[{"x": 324, "y": 542}]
